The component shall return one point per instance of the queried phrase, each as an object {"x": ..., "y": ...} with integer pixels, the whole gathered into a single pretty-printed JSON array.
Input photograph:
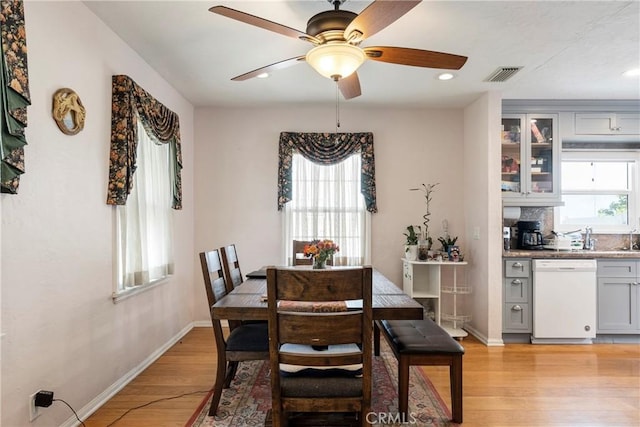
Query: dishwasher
[{"x": 564, "y": 301}]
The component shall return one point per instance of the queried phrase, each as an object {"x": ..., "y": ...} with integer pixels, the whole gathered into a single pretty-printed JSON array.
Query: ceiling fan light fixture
[{"x": 336, "y": 60}]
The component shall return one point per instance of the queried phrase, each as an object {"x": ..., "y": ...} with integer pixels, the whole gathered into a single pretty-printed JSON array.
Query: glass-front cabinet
[{"x": 530, "y": 160}]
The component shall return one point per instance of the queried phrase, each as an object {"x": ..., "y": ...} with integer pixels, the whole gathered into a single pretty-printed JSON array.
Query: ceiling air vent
[{"x": 502, "y": 74}]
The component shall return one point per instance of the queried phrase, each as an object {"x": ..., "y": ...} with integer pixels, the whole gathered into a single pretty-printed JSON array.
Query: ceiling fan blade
[
  {"x": 269, "y": 68},
  {"x": 377, "y": 16},
  {"x": 350, "y": 86},
  {"x": 260, "y": 22},
  {"x": 415, "y": 57}
]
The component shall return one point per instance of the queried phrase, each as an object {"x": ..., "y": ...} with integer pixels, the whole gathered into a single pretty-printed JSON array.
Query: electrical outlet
[
  {"x": 34, "y": 411},
  {"x": 476, "y": 233}
]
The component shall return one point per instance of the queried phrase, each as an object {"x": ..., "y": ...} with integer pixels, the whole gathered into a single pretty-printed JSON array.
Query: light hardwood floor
[{"x": 516, "y": 385}]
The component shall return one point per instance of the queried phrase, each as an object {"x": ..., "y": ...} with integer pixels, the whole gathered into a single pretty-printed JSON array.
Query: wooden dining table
[{"x": 247, "y": 301}]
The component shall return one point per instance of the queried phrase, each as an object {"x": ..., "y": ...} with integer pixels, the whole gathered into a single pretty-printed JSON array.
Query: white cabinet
[
  {"x": 530, "y": 160},
  {"x": 607, "y": 123},
  {"x": 423, "y": 281}
]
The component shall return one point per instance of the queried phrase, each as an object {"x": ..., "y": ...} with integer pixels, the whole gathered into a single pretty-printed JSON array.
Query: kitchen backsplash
[{"x": 604, "y": 242}]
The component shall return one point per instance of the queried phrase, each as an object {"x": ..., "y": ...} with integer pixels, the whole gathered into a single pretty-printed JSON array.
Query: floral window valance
[
  {"x": 14, "y": 91},
  {"x": 130, "y": 101},
  {"x": 327, "y": 149}
]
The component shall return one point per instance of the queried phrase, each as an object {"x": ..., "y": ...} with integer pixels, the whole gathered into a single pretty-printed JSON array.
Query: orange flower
[{"x": 321, "y": 248}]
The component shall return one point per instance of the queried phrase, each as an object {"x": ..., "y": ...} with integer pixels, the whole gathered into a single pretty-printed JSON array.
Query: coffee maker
[{"x": 529, "y": 235}]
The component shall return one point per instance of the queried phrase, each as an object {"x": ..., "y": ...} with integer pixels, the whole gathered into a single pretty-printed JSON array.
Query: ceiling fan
[{"x": 337, "y": 34}]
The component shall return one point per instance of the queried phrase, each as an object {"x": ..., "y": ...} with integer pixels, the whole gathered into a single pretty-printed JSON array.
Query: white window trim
[
  {"x": 634, "y": 194},
  {"x": 129, "y": 292}
]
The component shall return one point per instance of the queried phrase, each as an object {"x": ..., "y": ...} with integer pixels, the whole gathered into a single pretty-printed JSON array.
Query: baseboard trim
[
  {"x": 102, "y": 398},
  {"x": 203, "y": 323},
  {"x": 483, "y": 338},
  {"x": 207, "y": 323}
]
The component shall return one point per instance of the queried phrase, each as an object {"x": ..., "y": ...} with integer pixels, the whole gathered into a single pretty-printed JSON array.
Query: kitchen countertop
[{"x": 581, "y": 254}]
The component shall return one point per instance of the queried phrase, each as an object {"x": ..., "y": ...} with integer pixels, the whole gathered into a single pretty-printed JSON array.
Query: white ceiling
[{"x": 569, "y": 50}]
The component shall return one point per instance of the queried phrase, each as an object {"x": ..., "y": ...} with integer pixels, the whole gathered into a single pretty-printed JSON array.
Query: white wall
[
  {"x": 483, "y": 214},
  {"x": 236, "y": 162},
  {"x": 63, "y": 332}
]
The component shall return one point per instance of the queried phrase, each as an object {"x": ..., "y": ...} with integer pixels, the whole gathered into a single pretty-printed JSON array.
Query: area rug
[{"x": 248, "y": 401}]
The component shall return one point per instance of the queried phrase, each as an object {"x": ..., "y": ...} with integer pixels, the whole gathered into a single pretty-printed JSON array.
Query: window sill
[{"x": 128, "y": 293}]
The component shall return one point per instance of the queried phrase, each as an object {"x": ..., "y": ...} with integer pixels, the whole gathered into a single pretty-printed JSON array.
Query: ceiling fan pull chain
[{"x": 337, "y": 106}]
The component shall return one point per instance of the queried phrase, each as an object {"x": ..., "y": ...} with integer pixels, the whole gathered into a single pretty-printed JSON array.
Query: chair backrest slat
[
  {"x": 232, "y": 273},
  {"x": 215, "y": 284},
  {"x": 345, "y": 327},
  {"x": 319, "y": 285}
]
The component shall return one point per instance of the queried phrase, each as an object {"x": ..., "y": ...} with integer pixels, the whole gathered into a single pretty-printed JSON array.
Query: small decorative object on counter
[
  {"x": 423, "y": 250},
  {"x": 411, "y": 245},
  {"x": 454, "y": 253},
  {"x": 320, "y": 251},
  {"x": 447, "y": 242},
  {"x": 506, "y": 236}
]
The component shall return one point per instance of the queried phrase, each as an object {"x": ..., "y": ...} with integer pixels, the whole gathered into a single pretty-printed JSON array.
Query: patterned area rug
[{"x": 248, "y": 401}]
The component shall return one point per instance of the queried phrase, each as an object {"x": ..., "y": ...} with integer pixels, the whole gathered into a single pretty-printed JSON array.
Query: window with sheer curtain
[
  {"x": 144, "y": 224},
  {"x": 327, "y": 203}
]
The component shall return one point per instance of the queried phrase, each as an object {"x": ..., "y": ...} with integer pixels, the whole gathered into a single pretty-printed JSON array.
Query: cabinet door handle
[
  {"x": 516, "y": 308},
  {"x": 516, "y": 282},
  {"x": 518, "y": 265}
]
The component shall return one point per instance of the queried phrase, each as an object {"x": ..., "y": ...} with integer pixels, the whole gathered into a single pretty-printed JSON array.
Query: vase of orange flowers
[{"x": 320, "y": 251}]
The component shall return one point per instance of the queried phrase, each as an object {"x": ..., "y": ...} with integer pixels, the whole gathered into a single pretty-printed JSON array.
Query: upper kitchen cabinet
[
  {"x": 530, "y": 160},
  {"x": 607, "y": 123}
]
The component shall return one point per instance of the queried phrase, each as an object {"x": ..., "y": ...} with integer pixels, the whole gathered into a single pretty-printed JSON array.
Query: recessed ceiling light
[
  {"x": 445, "y": 76},
  {"x": 263, "y": 75},
  {"x": 632, "y": 73}
]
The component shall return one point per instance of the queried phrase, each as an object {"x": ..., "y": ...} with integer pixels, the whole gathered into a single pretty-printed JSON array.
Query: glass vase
[
  {"x": 319, "y": 263},
  {"x": 424, "y": 246}
]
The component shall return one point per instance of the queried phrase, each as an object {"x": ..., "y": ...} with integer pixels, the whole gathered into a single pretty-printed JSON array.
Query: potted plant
[
  {"x": 425, "y": 241},
  {"x": 411, "y": 244},
  {"x": 447, "y": 242}
]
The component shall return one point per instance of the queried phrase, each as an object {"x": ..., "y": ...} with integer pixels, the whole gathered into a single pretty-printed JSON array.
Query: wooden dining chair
[
  {"x": 298, "y": 253},
  {"x": 320, "y": 349},
  {"x": 244, "y": 342},
  {"x": 233, "y": 276}
]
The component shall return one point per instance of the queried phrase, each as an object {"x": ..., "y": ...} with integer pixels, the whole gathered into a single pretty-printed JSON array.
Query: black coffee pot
[{"x": 529, "y": 235}]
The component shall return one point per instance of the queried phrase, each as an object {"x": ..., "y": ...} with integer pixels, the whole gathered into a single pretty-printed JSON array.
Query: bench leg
[
  {"x": 455, "y": 377},
  {"x": 403, "y": 386}
]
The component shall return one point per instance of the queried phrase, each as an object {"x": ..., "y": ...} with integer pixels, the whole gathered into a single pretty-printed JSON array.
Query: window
[
  {"x": 144, "y": 224},
  {"x": 327, "y": 204},
  {"x": 599, "y": 190}
]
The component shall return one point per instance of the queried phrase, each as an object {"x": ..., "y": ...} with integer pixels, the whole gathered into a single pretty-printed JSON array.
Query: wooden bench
[{"x": 422, "y": 343}]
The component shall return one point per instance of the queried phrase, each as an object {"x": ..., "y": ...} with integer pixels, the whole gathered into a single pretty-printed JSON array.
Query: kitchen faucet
[{"x": 589, "y": 243}]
